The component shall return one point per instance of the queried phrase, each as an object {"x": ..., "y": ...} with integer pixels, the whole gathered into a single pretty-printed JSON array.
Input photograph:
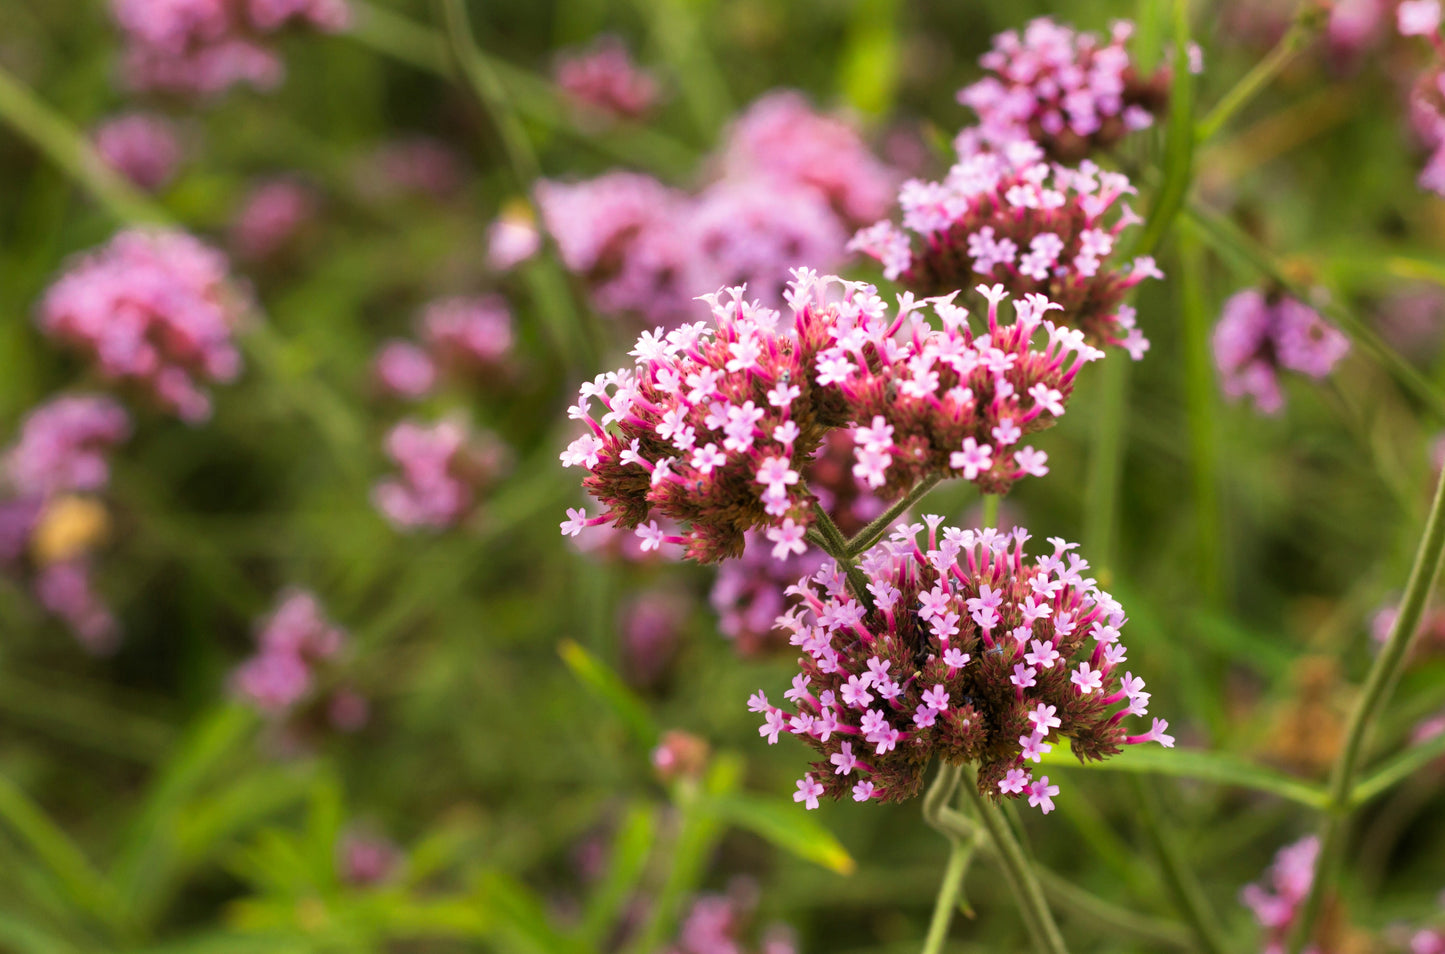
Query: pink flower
[
  {"x": 143, "y": 147},
  {"x": 442, "y": 467},
  {"x": 64, "y": 446},
  {"x": 469, "y": 333},
  {"x": 292, "y": 641},
  {"x": 1257, "y": 337},
  {"x": 945, "y": 709},
  {"x": 602, "y": 78},
  {"x": 405, "y": 370},
  {"x": 271, "y": 215},
  {"x": 154, "y": 309}
]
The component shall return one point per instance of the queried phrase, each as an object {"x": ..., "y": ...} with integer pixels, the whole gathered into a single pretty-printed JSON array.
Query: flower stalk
[{"x": 1378, "y": 687}]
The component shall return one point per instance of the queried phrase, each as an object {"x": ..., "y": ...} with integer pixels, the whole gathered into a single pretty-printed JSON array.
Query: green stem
[
  {"x": 1027, "y": 891},
  {"x": 959, "y": 854},
  {"x": 1263, "y": 73},
  {"x": 1199, "y": 397},
  {"x": 71, "y": 151},
  {"x": 580, "y": 339},
  {"x": 873, "y": 532},
  {"x": 830, "y": 540},
  {"x": 990, "y": 509},
  {"x": 1179, "y": 878},
  {"x": 1378, "y": 686},
  {"x": 1106, "y": 463}
]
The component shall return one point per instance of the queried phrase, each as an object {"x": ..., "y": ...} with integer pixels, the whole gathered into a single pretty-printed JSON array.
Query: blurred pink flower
[
  {"x": 143, "y": 147},
  {"x": 155, "y": 309},
  {"x": 469, "y": 333},
  {"x": 64, "y": 445},
  {"x": 404, "y": 370},
  {"x": 270, "y": 216},
  {"x": 603, "y": 78},
  {"x": 294, "y": 639},
  {"x": 1257, "y": 337},
  {"x": 442, "y": 466}
]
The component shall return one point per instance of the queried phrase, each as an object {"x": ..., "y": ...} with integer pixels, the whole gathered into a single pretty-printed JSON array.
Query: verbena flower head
[
  {"x": 364, "y": 859},
  {"x": 153, "y": 309},
  {"x": 651, "y": 626},
  {"x": 1276, "y": 899},
  {"x": 442, "y": 468},
  {"x": 206, "y": 46},
  {"x": 1259, "y": 335},
  {"x": 751, "y": 231},
  {"x": 404, "y": 370},
  {"x": 973, "y": 653},
  {"x": 66, "y": 591},
  {"x": 271, "y": 216},
  {"x": 783, "y": 137},
  {"x": 143, "y": 147},
  {"x": 64, "y": 446},
  {"x": 468, "y": 333},
  {"x": 720, "y": 924},
  {"x": 716, "y": 426},
  {"x": 602, "y": 78},
  {"x": 1427, "y": 100},
  {"x": 1011, "y": 217},
  {"x": 414, "y": 166},
  {"x": 1070, "y": 92},
  {"x": 512, "y": 238},
  {"x": 623, "y": 233},
  {"x": 956, "y": 403},
  {"x": 291, "y": 643}
]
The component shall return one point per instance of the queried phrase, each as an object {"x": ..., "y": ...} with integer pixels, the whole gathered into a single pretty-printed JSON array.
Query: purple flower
[
  {"x": 143, "y": 147},
  {"x": 64, "y": 446},
  {"x": 1275, "y": 901},
  {"x": 404, "y": 370},
  {"x": 1258, "y": 336},
  {"x": 603, "y": 79},
  {"x": 154, "y": 309},
  {"x": 442, "y": 467},
  {"x": 291, "y": 642},
  {"x": 271, "y": 215},
  {"x": 984, "y": 706},
  {"x": 1070, "y": 92}
]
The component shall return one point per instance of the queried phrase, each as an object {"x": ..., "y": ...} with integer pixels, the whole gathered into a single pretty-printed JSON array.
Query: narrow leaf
[
  {"x": 785, "y": 826},
  {"x": 608, "y": 687}
]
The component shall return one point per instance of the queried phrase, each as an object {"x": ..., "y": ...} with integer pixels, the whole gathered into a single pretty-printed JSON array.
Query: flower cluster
[
  {"x": 294, "y": 640},
  {"x": 1259, "y": 335},
  {"x": 651, "y": 627},
  {"x": 1070, "y": 92},
  {"x": 1007, "y": 215},
  {"x": 153, "y": 309},
  {"x": 604, "y": 79},
  {"x": 1427, "y": 101},
  {"x": 716, "y": 427},
  {"x": 646, "y": 249},
  {"x": 364, "y": 859},
  {"x": 716, "y": 924},
  {"x": 271, "y": 215},
  {"x": 971, "y": 652},
  {"x": 463, "y": 335},
  {"x": 421, "y": 166},
  {"x": 442, "y": 468},
  {"x": 1276, "y": 901},
  {"x": 143, "y": 147},
  {"x": 204, "y": 47},
  {"x": 782, "y": 137},
  {"x": 49, "y": 525},
  {"x": 955, "y": 403}
]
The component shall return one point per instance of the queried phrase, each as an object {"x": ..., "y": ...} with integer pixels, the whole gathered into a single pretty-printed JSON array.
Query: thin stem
[
  {"x": 68, "y": 149},
  {"x": 1179, "y": 878},
  {"x": 578, "y": 338},
  {"x": 1027, "y": 890},
  {"x": 1199, "y": 396},
  {"x": 829, "y": 539},
  {"x": 990, "y": 509},
  {"x": 1106, "y": 463},
  {"x": 1070, "y": 895},
  {"x": 959, "y": 854},
  {"x": 1253, "y": 82},
  {"x": 1378, "y": 686},
  {"x": 874, "y": 531}
]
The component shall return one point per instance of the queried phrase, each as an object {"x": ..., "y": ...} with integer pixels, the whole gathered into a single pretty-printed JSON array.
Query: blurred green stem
[
  {"x": 578, "y": 338},
  {"x": 1179, "y": 877},
  {"x": 1201, "y": 405},
  {"x": 1378, "y": 686},
  {"x": 1020, "y": 875},
  {"x": 990, "y": 509},
  {"x": 1253, "y": 82},
  {"x": 68, "y": 149},
  {"x": 1106, "y": 463}
]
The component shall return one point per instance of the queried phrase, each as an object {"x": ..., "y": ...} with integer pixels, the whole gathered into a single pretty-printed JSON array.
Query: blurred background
[{"x": 468, "y": 757}]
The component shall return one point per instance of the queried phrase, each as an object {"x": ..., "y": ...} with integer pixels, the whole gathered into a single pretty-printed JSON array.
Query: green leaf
[
  {"x": 61, "y": 858},
  {"x": 785, "y": 826},
  {"x": 609, "y": 688},
  {"x": 868, "y": 73},
  {"x": 521, "y": 916},
  {"x": 630, "y": 850},
  {"x": 1178, "y": 142},
  {"x": 1218, "y": 767},
  {"x": 1397, "y": 769}
]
